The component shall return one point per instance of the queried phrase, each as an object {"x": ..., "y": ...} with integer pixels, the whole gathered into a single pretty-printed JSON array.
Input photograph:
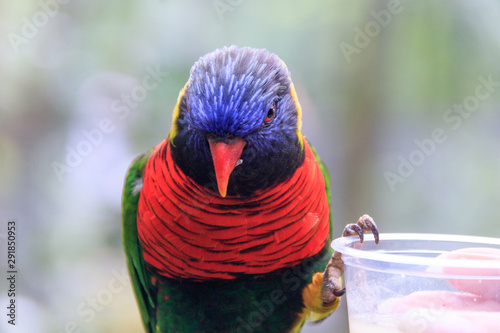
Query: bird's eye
[{"x": 270, "y": 114}]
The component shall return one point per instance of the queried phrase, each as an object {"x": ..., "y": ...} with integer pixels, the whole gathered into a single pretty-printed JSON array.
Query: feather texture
[{"x": 188, "y": 231}]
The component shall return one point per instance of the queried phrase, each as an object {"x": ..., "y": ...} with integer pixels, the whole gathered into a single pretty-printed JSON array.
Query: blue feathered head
[{"x": 237, "y": 123}]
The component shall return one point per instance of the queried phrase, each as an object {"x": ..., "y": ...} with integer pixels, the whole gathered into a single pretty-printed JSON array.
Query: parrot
[{"x": 226, "y": 222}]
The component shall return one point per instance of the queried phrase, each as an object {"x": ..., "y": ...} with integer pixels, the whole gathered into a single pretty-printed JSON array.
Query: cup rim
[{"x": 345, "y": 245}]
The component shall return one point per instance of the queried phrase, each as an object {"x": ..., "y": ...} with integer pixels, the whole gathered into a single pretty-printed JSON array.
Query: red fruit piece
[{"x": 488, "y": 285}]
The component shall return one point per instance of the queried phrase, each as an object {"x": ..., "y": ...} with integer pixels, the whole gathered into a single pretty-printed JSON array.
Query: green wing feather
[
  {"x": 326, "y": 175},
  {"x": 131, "y": 243}
]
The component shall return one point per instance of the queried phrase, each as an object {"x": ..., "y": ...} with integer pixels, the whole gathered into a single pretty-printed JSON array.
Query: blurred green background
[{"x": 400, "y": 98}]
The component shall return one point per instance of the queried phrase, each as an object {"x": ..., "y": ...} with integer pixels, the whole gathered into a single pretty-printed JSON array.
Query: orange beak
[{"x": 225, "y": 157}]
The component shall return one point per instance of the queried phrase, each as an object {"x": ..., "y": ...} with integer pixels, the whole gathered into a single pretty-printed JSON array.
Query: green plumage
[{"x": 132, "y": 245}]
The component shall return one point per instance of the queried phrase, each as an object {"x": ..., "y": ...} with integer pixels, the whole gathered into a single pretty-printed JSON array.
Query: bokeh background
[{"x": 400, "y": 98}]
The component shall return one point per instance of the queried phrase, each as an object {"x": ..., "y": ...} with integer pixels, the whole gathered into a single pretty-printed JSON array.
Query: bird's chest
[{"x": 190, "y": 232}]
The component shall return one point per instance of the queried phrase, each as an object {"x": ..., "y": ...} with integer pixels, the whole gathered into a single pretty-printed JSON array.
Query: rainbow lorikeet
[{"x": 226, "y": 222}]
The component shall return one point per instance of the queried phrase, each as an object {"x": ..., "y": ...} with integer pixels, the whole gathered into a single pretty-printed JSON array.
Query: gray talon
[
  {"x": 352, "y": 229},
  {"x": 339, "y": 293},
  {"x": 367, "y": 224}
]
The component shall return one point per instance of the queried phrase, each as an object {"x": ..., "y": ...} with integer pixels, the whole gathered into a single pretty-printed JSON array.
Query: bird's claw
[
  {"x": 339, "y": 293},
  {"x": 365, "y": 223},
  {"x": 332, "y": 286}
]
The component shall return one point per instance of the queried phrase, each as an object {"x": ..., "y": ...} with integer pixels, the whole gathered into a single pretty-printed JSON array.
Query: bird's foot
[
  {"x": 365, "y": 223},
  {"x": 332, "y": 286}
]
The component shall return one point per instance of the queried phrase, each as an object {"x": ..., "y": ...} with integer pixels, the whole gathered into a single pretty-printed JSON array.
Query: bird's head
[{"x": 236, "y": 125}]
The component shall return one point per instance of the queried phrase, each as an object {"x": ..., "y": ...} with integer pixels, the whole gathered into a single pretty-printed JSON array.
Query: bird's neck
[{"x": 262, "y": 167}]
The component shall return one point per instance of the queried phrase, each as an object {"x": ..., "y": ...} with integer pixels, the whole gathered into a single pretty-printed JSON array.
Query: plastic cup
[{"x": 422, "y": 283}]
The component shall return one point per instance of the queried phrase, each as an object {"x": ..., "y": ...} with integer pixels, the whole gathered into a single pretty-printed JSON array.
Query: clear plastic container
[{"x": 422, "y": 283}]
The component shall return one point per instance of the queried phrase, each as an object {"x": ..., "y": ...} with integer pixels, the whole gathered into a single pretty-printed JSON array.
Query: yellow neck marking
[
  {"x": 174, "y": 130},
  {"x": 293, "y": 93}
]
